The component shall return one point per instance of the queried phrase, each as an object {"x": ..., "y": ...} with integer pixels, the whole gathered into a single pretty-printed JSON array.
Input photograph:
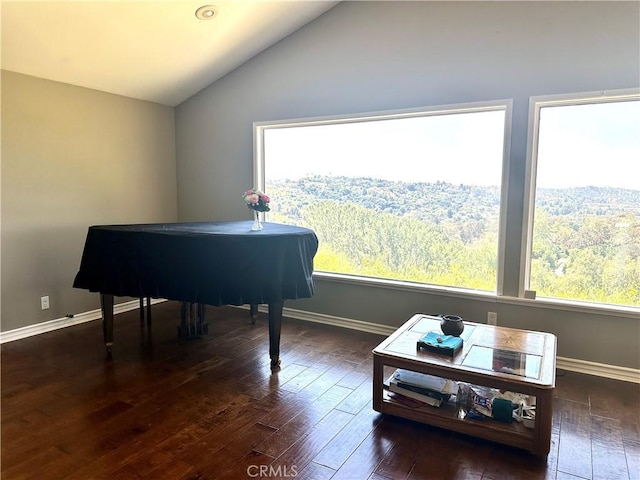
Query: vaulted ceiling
[{"x": 153, "y": 50}]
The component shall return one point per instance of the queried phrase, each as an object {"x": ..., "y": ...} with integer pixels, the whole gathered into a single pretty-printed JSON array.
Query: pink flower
[{"x": 257, "y": 200}]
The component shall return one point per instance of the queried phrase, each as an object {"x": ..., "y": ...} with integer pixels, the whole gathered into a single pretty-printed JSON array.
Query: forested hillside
[
  {"x": 582, "y": 201},
  {"x": 586, "y": 241}
]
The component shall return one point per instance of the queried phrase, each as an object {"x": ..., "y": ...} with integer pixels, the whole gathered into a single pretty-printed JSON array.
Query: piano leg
[
  {"x": 148, "y": 311},
  {"x": 106, "y": 304},
  {"x": 275, "y": 325},
  {"x": 253, "y": 313}
]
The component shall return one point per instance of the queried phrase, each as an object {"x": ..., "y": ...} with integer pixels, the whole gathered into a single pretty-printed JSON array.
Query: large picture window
[
  {"x": 584, "y": 237},
  {"x": 409, "y": 196}
]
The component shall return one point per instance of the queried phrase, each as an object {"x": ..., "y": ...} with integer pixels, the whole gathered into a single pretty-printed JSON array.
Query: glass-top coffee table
[{"x": 511, "y": 360}]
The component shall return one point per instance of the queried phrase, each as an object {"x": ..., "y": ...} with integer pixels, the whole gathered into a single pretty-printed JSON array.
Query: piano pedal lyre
[{"x": 192, "y": 322}]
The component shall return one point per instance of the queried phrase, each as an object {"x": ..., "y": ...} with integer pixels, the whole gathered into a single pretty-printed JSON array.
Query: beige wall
[
  {"x": 372, "y": 56},
  {"x": 71, "y": 158}
]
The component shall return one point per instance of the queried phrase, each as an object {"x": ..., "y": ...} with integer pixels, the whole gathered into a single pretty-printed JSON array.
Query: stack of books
[{"x": 427, "y": 389}]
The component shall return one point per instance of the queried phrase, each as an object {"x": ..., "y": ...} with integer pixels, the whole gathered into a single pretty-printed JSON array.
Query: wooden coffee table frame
[{"x": 400, "y": 351}]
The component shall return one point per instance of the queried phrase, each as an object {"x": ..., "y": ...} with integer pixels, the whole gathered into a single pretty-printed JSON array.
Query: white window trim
[
  {"x": 503, "y": 104},
  {"x": 535, "y": 105}
]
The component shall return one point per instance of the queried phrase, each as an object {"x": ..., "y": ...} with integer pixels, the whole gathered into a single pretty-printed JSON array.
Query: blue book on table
[{"x": 438, "y": 342}]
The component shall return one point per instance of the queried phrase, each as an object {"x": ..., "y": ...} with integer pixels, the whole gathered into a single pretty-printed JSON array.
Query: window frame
[
  {"x": 505, "y": 105},
  {"x": 536, "y": 103}
]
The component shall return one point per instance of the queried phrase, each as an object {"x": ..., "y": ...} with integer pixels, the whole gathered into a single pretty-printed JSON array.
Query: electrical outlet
[
  {"x": 44, "y": 302},
  {"x": 492, "y": 318}
]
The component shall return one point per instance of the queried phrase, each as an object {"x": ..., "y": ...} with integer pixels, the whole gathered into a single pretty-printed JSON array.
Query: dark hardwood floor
[{"x": 208, "y": 408}]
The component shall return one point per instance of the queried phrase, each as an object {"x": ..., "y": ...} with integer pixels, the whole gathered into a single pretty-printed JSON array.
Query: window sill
[{"x": 482, "y": 296}]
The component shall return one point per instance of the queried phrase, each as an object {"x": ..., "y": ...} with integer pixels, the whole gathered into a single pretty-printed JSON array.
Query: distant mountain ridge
[
  {"x": 589, "y": 201},
  {"x": 441, "y": 200}
]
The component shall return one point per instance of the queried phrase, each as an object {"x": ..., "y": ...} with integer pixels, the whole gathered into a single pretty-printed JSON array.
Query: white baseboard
[
  {"x": 598, "y": 369},
  {"x": 562, "y": 363},
  {"x": 570, "y": 364},
  {"x": 44, "y": 327}
]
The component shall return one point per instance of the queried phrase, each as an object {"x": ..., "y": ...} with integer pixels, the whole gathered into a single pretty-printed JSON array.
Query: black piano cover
[{"x": 219, "y": 263}]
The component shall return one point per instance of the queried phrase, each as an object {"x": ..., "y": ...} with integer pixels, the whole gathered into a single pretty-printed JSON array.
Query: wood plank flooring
[{"x": 210, "y": 408}]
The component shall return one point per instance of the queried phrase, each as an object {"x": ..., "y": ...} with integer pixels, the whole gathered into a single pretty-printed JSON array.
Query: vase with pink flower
[{"x": 258, "y": 202}]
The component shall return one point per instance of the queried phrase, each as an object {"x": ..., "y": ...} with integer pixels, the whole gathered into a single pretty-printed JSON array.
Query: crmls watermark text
[{"x": 265, "y": 471}]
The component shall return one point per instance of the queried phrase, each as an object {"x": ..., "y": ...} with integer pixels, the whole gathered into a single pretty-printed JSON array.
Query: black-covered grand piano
[{"x": 216, "y": 263}]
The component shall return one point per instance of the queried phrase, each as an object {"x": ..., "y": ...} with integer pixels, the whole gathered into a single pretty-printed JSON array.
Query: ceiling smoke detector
[{"x": 206, "y": 12}]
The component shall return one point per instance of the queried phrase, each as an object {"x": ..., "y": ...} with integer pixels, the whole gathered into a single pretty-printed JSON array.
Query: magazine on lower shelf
[
  {"x": 405, "y": 401},
  {"x": 423, "y": 380},
  {"x": 425, "y": 388},
  {"x": 427, "y": 397}
]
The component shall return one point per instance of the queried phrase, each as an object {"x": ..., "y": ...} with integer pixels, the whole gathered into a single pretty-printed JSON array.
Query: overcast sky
[
  {"x": 590, "y": 145},
  {"x": 579, "y": 145}
]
